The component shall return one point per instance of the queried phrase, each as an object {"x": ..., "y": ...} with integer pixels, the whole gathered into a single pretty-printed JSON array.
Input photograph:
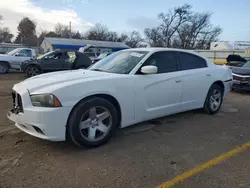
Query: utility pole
[{"x": 69, "y": 29}]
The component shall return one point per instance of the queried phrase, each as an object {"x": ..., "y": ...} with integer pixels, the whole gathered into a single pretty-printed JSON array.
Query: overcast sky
[{"x": 124, "y": 15}]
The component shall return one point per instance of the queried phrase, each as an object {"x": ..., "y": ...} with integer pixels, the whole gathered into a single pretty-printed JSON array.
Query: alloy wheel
[
  {"x": 95, "y": 124},
  {"x": 215, "y": 99},
  {"x": 33, "y": 71}
]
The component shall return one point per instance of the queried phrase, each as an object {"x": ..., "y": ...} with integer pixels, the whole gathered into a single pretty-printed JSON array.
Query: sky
[{"x": 124, "y": 15}]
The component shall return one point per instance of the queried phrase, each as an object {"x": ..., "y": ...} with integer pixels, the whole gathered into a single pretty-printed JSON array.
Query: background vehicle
[
  {"x": 125, "y": 88},
  {"x": 14, "y": 58},
  {"x": 93, "y": 52},
  {"x": 101, "y": 56},
  {"x": 235, "y": 60},
  {"x": 241, "y": 77},
  {"x": 57, "y": 60}
]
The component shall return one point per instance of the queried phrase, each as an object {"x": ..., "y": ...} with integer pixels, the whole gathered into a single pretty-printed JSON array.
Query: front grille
[
  {"x": 17, "y": 102},
  {"x": 236, "y": 77},
  {"x": 241, "y": 78}
]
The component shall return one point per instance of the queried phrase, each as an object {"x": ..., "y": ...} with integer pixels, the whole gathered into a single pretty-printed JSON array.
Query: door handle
[
  {"x": 208, "y": 74},
  {"x": 178, "y": 80}
]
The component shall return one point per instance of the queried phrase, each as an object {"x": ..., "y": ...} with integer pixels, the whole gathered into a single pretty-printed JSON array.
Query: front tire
[
  {"x": 92, "y": 122},
  {"x": 32, "y": 70},
  {"x": 214, "y": 99}
]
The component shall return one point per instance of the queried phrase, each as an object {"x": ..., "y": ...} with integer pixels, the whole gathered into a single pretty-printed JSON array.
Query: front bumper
[
  {"x": 239, "y": 86},
  {"x": 228, "y": 86},
  {"x": 44, "y": 123}
]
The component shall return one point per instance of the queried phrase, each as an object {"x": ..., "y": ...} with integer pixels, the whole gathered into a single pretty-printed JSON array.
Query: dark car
[
  {"x": 57, "y": 60},
  {"x": 235, "y": 60},
  {"x": 101, "y": 56},
  {"x": 241, "y": 77}
]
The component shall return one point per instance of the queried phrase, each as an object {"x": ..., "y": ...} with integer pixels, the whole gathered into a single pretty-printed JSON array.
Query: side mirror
[
  {"x": 17, "y": 54},
  {"x": 149, "y": 69}
]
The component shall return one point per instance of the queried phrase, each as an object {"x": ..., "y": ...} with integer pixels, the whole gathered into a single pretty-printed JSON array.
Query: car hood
[
  {"x": 5, "y": 56},
  {"x": 241, "y": 70},
  {"x": 51, "y": 81}
]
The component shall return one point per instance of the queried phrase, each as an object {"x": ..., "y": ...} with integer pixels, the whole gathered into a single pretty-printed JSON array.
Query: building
[
  {"x": 221, "y": 46},
  {"x": 49, "y": 44}
]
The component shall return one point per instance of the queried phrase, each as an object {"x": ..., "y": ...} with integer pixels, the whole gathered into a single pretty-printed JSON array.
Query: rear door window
[{"x": 190, "y": 61}]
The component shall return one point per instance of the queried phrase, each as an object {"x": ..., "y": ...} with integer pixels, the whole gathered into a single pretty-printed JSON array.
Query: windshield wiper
[{"x": 97, "y": 70}]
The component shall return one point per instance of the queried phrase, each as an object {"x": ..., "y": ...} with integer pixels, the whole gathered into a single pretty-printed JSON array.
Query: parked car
[
  {"x": 14, "y": 59},
  {"x": 127, "y": 87},
  {"x": 57, "y": 60},
  {"x": 235, "y": 60},
  {"x": 241, "y": 77},
  {"x": 101, "y": 56}
]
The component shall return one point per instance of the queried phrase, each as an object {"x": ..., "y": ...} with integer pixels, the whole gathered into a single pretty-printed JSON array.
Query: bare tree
[
  {"x": 154, "y": 37},
  {"x": 5, "y": 34},
  {"x": 133, "y": 39},
  {"x": 183, "y": 28},
  {"x": 98, "y": 32},
  {"x": 198, "y": 32},
  {"x": 62, "y": 31},
  {"x": 173, "y": 20}
]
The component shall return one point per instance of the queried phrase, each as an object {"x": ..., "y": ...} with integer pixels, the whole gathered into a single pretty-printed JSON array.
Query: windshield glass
[
  {"x": 13, "y": 52},
  {"x": 101, "y": 56},
  {"x": 247, "y": 58},
  {"x": 246, "y": 65},
  {"x": 42, "y": 56},
  {"x": 121, "y": 62}
]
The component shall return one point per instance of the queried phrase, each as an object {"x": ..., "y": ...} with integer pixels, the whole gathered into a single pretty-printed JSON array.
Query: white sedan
[{"x": 127, "y": 87}]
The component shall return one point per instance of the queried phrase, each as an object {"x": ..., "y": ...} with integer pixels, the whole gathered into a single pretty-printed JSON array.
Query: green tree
[{"x": 26, "y": 32}]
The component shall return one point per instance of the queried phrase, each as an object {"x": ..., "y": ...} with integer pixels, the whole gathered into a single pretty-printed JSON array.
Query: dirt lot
[{"x": 145, "y": 155}]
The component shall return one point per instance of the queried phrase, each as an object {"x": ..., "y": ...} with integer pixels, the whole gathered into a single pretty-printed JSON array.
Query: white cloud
[
  {"x": 142, "y": 22},
  {"x": 14, "y": 10}
]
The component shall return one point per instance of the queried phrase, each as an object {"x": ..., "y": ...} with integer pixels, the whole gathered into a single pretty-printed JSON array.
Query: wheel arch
[
  {"x": 33, "y": 64},
  {"x": 221, "y": 84},
  {"x": 108, "y": 97}
]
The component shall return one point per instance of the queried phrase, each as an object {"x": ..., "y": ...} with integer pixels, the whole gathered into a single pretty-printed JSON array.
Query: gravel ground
[{"x": 144, "y": 155}]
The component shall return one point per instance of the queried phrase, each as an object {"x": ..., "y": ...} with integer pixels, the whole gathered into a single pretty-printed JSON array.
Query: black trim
[{"x": 228, "y": 80}]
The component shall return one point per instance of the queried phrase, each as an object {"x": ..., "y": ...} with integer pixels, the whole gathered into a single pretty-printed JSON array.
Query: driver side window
[
  {"x": 25, "y": 53},
  {"x": 164, "y": 61}
]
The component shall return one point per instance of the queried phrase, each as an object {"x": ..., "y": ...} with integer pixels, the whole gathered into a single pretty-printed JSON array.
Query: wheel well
[
  {"x": 5, "y": 62},
  {"x": 104, "y": 96},
  {"x": 32, "y": 65},
  {"x": 220, "y": 83}
]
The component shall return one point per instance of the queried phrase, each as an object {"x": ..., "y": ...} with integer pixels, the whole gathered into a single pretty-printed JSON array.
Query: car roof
[{"x": 163, "y": 49}]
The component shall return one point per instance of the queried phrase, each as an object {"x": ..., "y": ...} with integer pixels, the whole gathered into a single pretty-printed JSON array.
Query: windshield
[
  {"x": 121, "y": 62},
  {"x": 247, "y": 58},
  {"x": 102, "y": 56},
  {"x": 246, "y": 65},
  {"x": 42, "y": 56},
  {"x": 13, "y": 52}
]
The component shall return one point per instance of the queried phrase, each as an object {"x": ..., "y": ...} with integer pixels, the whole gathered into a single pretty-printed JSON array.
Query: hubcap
[
  {"x": 95, "y": 124},
  {"x": 32, "y": 71},
  {"x": 215, "y": 99}
]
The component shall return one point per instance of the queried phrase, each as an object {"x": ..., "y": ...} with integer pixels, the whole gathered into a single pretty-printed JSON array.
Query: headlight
[{"x": 45, "y": 100}]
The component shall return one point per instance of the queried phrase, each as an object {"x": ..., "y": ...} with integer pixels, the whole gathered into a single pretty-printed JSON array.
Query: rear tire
[
  {"x": 214, "y": 99},
  {"x": 92, "y": 122},
  {"x": 32, "y": 70},
  {"x": 4, "y": 68}
]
